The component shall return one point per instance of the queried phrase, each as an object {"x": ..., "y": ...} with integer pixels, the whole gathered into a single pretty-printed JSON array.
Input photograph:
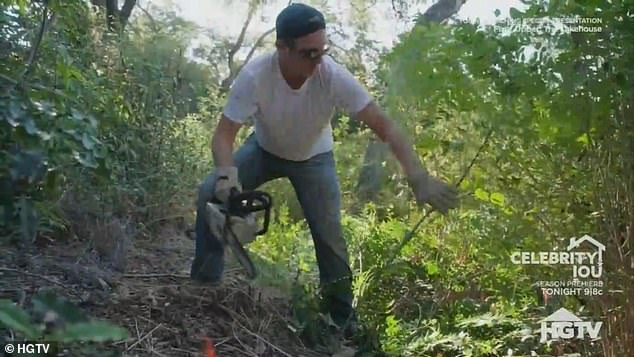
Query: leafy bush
[{"x": 53, "y": 319}]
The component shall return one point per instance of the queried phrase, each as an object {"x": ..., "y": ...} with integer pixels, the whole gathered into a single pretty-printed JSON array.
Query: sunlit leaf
[
  {"x": 481, "y": 194},
  {"x": 583, "y": 139},
  {"x": 497, "y": 198}
]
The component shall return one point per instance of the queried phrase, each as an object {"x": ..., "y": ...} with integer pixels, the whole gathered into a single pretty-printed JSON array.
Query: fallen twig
[
  {"x": 165, "y": 275},
  {"x": 144, "y": 337},
  {"x": 247, "y": 348},
  {"x": 156, "y": 275},
  {"x": 263, "y": 339}
]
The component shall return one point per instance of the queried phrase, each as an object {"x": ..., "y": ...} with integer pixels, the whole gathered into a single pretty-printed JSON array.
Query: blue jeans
[{"x": 317, "y": 188}]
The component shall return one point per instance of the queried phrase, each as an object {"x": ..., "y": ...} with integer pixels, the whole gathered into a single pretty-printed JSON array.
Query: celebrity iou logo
[{"x": 584, "y": 264}]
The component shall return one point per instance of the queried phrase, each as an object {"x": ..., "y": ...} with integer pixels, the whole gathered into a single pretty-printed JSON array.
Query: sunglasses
[{"x": 313, "y": 53}]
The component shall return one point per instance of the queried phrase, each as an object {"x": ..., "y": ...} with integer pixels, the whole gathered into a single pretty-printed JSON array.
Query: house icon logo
[
  {"x": 594, "y": 267},
  {"x": 575, "y": 243},
  {"x": 563, "y": 324}
]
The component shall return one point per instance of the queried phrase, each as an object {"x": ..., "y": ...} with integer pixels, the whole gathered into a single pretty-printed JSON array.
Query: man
[{"x": 290, "y": 96}]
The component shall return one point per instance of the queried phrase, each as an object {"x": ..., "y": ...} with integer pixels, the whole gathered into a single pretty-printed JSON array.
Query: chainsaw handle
[{"x": 267, "y": 216}]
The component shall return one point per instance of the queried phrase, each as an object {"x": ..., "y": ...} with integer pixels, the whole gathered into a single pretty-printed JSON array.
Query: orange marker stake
[{"x": 208, "y": 348}]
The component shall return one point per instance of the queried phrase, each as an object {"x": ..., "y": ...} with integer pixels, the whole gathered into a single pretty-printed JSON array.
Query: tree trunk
[
  {"x": 116, "y": 19},
  {"x": 373, "y": 172}
]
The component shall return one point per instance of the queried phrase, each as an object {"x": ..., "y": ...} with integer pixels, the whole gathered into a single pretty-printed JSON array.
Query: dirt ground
[{"x": 165, "y": 313}]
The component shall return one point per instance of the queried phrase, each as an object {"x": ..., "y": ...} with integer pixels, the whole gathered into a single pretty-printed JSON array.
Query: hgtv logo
[{"x": 563, "y": 324}]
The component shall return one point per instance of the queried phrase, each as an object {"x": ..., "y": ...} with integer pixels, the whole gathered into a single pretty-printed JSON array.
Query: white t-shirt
[{"x": 293, "y": 124}]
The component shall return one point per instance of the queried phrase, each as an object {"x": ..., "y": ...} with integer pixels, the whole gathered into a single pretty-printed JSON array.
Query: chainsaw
[{"x": 235, "y": 222}]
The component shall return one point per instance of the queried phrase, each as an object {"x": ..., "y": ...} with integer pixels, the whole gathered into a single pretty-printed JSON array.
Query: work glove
[
  {"x": 226, "y": 179},
  {"x": 431, "y": 190}
]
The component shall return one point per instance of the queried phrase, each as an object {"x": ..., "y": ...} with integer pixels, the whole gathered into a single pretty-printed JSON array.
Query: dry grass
[{"x": 165, "y": 313}]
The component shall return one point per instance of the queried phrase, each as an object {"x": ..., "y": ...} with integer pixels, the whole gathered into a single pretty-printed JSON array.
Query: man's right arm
[
  {"x": 222, "y": 141},
  {"x": 241, "y": 105}
]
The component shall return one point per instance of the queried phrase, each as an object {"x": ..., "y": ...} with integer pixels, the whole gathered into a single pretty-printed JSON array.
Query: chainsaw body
[{"x": 235, "y": 222}]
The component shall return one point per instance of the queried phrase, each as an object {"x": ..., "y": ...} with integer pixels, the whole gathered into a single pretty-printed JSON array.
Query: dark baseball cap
[{"x": 297, "y": 20}]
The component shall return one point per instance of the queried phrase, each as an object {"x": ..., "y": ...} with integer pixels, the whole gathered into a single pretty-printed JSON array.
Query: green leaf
[
  {"x": 30, "y": 127},
  {"x": 432, "y": 268},
  {"x": 583, "y": 139},
  {"x": 515, "y": 13},
  {"x": 87, "y": 141},
  {"x": 16, "y": 111},
  {"x": 481, "y": 194},
  {"x": 27, "y": 165},
  {"x": 22, "y": 7},
  {"x": 76, "y": 115},
  {"x": 44, "y": 135},
  {"x": 86, "y": 160},
  {"x": 14, "y": 317},
  {"x": 497, "y": 198},
  {"x": 497, "y": 12},
  {"x": 92, "y": 331},
  {"x": 47, "y": 301}
]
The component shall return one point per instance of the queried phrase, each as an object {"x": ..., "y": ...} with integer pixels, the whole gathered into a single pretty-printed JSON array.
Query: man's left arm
[
  {"x": 386, "y": 130},
  {"x": 426, "y": 188},
  {"x": 352, "y": 96}
]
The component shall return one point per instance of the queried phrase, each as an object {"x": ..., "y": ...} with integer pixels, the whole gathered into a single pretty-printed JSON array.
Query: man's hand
[
  {"x": 226, "y": 179},
  {"x": 431, "y": 190}
]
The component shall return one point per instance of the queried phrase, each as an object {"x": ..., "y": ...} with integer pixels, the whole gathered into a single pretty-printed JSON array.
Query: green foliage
[
  {"x": 53, "y": 319},
  {"x": 287, "y": 246},
  {"x": 121, "y": 122}
]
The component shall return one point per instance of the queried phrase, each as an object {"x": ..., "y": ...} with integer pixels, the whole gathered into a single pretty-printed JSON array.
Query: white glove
[
  {"x": 429, "y": 189},
  {"x": 226, "y": 179}
]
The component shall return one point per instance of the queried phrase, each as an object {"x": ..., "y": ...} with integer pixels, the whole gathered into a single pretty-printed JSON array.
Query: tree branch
[
  {"x": 239, "y": 41},
  {"x": 236, "y": 47},
  {"x": 126, "y": 10},
  {"x": 441, "y": 11},
  {"x": 255, "y": 46},
  {"x": 31, "y": 61},
  {"x": 147, "y": 13}
]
